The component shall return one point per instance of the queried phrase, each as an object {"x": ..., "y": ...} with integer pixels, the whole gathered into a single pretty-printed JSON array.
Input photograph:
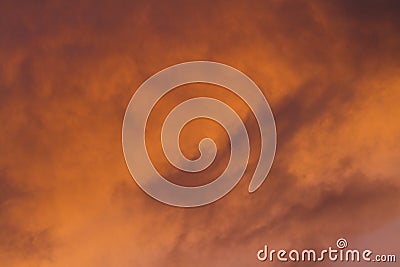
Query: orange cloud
[{"x": 328, "y": 69}]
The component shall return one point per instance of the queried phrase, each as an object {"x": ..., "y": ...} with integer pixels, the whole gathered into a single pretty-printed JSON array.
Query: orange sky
[{"x": 329, "y": 69}]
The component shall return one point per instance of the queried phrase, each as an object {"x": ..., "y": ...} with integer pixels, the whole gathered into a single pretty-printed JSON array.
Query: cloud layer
[{"x": 330, "y": 71}]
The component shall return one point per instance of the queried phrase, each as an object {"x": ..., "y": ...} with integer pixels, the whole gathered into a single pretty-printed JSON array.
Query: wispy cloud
[{"x": 330, "y": 71}]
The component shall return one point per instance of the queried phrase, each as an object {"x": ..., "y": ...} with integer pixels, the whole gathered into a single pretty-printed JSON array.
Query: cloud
[{"x": 328, "y": 69}]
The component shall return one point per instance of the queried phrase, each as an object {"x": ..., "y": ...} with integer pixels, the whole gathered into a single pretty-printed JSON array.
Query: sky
[{"x": 329, "y": 70}]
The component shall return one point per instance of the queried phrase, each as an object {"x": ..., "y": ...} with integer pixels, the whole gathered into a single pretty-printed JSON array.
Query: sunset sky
[{"x": 68, "y": 69}]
